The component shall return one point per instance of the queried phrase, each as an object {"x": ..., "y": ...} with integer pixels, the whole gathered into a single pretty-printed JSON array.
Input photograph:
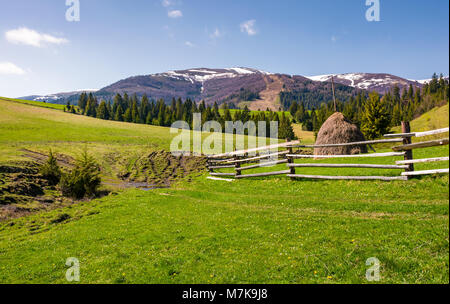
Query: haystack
[{"x": 336, "y": 130}]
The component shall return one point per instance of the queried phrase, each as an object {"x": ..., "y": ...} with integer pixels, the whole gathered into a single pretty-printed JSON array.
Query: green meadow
[{"x": 261, "y": 230}]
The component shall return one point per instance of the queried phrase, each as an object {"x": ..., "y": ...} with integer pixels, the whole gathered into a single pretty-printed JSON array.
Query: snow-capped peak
[
  {"x": 368, "y": 81},
  {"x": 204, "y": 74}
]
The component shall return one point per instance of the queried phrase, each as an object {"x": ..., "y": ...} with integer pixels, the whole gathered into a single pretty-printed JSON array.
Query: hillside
[
  {"x": 189, "y": 232},
  {"x": 437, "y": 118}
]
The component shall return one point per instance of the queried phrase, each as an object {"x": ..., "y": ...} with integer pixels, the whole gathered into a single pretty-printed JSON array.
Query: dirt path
[
  {"x": 269, "y": 97},
  {"x": 63, "y": 160}
]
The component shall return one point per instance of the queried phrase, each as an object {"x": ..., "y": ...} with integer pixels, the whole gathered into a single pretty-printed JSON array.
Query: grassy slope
[
  {"x": 435, "y": 119},
  {"x": 249, "y": 231},
  {"x": 36, "y": 103}
]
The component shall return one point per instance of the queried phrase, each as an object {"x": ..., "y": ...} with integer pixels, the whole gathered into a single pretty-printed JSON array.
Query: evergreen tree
[
  {"x": 376, "y": 120},
  {"x": 135, "y": 116},
  {"x": 293, "y": 108},
  {"x": 82, "y": 102},
  {"x": 118, "y": 116},
  {"x": 91, "y": 107},
  {"x": 102, "y": 111},
  {"x": 127, "y": 116},
  {"x": 285, "y": 130}
]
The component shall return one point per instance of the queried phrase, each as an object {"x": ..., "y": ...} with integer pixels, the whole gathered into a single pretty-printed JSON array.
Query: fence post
[
  {"x": 209, "y": 163},
  {"x": 290, "y": 159},
  {"x": 237, "y": 165},
  {"x": 406, "y": 128}
]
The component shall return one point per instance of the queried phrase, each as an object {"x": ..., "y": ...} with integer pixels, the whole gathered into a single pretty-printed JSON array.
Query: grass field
[
  {"x": 435, "y": 119},
  {"x": 36, "y": 103},
  {"x": 270, "y": 230}
]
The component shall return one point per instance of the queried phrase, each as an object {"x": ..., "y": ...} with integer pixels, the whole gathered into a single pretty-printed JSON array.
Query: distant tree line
[
  {"x": 144, "y": 111},
  {"x": 389, "y": 110},
  {"x": 313, "y": 96},
  {"x": 373, "y": 113}
]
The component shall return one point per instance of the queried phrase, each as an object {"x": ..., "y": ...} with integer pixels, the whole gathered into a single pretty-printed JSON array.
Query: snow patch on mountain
[
  {"x": 366, "y": 81},
  {"x": 203, "y": 75}
]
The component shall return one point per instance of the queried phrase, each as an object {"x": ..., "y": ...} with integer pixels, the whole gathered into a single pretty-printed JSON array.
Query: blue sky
[{"x": 41, "y": 52}]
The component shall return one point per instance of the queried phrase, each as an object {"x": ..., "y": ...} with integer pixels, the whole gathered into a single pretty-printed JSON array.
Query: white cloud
[
  {"x": 9, "y": 68},
  {"x": 334, "y": 38},
  {"x": 175, "y": 14},
  {"x": 166, "y": 3},
  {"x": 31, "y": 37},
  {"x": 249, "y": 27},
  {"x": 216, "y": 34},
  {"x": 189, "y": 44}
]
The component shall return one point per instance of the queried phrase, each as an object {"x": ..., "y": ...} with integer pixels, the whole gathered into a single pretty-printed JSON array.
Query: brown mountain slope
[{"x": 269, "y": 97}]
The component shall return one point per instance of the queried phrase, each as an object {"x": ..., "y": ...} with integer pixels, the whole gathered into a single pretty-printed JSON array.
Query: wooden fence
[{"x": 240, "y": 160}]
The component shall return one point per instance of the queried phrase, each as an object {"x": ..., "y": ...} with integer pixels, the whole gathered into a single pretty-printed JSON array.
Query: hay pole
[
  {"x": 426, "y": 172},
  {"x": 348, "y": 156},
  {"x": 283, "y": 161},
  {"x": 423, "y": 160},
  {"x": 264, "y": 174},
  {"x": 383, "y": 178},
  {"x": 347, "y": 166}
]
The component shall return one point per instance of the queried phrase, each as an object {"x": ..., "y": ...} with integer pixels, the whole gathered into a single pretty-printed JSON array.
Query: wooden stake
[
  {"x": 334, "y": 94},
  {"x": 290, "y": 159},
  {"x": 406, "y": 128}
]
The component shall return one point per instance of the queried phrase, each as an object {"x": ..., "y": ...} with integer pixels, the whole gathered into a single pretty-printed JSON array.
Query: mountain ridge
[{"x": 233, "y": 85}]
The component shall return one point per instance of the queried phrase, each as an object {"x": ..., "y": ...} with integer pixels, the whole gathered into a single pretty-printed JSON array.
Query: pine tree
[
  {"x": 396, "y": 115},
  {"x": 118, "y": 116},
  {"x": 135, "y": 117},
  {"x": 127, "y": 116},
  {"x": 102, "y": 111},
  {"x": 90, "y": 106},
  {"x": 293, "y": 108},
  {"x": 285, "y": 130},
  {"x": 82, "y": 102},
  {"x": 376, "y": 120}
]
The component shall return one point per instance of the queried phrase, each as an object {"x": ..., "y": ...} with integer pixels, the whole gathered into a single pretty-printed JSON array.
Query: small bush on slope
[
  {"x": 83, "y": 180},
  {"x": 50, "y": 170}
]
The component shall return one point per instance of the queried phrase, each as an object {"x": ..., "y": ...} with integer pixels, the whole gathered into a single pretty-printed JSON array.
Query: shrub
[
  {"x": 50, "y": 170},
  {"x": 83, "y": 180}
]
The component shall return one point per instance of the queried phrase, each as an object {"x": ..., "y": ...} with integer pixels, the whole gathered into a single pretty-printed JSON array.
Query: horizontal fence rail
[
  {"x": 237, "y": 159},
  {"x": 369, "y": 142},
  {"x": 247, "y": 160},
  {"x": 425, "y": 172},
  {"x": 423, "y": 144},
  {"x": 271, "y": 147},
  {"x": 264, "y": 174},
  {"x": 419, "y": 134},
  {"x": 362, "y": 166},
  {"x": 348, "y": 156},
  {"x": 268, "y": 164},
  {"x": 423, "y": 160},
  {"x": 328, "y": 177}
]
